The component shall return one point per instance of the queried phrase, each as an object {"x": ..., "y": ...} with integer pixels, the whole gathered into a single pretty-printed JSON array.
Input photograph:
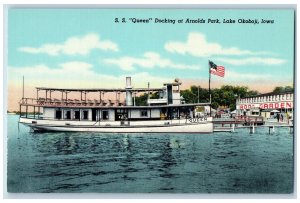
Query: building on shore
[{"x": 266, "y": 105}]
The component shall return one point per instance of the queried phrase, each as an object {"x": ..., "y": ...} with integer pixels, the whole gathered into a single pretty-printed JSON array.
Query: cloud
[
  {"x": 64, "y": 69},
  {"x": 74, "y": 46},
  {"x": 149, "y": 60},
  {"x": 76, "y": 66},
  {"x": 252, "y": 60},
  {"x": 76, "y": 74},
  {"x": 197, "y": 45}
]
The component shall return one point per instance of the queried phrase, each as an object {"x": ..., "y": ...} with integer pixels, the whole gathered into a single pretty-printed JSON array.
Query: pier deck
[{"x": 253, "y": 128}]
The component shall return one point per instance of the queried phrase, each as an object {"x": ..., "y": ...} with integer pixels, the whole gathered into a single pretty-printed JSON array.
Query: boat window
[
  {"x": 77, "y": 115},
  {"x": 144, "y": 113},
  {"x": 85, "y": 115},
  {"x": 105, "y": 115},
  {"x": 67, "y": 114},
  {"x": 58, "y": 114}
]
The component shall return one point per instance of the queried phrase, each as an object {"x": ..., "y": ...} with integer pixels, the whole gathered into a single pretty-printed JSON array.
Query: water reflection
[
  {"x": 93, "y": 162},
  {"x": 126, "y": 158}
]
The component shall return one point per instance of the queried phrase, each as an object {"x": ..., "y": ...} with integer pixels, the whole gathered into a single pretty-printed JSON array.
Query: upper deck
[
  {"x": 168, "y": 96},
  {"x": 102, "y": 90},
  {"x": 104, "y": 104}
]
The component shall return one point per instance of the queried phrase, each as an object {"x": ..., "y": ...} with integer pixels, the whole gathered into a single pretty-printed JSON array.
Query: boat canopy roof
[
  {"x": 99, "y": 90},
  {"x": 160, "y": 106}
]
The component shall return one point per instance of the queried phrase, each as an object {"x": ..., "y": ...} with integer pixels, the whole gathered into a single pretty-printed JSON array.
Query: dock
[
  {"x": 230, "y": 125},
  {"x": 243, "y": 120},
  {"x": 253, "y": 128}
]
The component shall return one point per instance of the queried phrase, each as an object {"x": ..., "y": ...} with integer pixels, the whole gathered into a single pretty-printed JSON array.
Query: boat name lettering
[{"x": 197, "y": 120}]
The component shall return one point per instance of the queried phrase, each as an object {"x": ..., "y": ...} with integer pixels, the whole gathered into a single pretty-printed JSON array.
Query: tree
[
  {"x": 283, "y": 89},
  {"x": 191, "y": 95},
  {"x": 278, "y": 90},
  {"x": 188, "y": 95},
  {"x": 289, "y": 89},
  {"x": 142, "y": 99},
  {"x": 227, "y": 95},
  {"x": 224, "y": 96},
  {"x": 252, "y": 93}
]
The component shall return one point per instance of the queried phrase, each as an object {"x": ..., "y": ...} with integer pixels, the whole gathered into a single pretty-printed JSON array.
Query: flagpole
[
  {"x": 23, "y": 88},
  {"x": 209, "y": 88}
]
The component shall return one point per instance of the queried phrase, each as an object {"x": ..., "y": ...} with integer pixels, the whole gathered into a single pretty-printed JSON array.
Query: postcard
[{"x": 150, "y": 100}]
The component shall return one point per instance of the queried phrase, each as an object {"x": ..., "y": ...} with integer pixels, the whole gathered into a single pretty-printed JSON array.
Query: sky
[{"x": 86, "y": 48}]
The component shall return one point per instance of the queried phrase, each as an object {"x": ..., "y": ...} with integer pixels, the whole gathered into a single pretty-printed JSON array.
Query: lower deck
[
  {"x": 199, "y": 125},
  {"x": 143, "y": 119},
  {"x": 116, "y": 114}
]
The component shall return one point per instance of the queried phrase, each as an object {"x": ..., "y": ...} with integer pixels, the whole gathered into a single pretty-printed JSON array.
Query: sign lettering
[{"x": 279, "y": 105}]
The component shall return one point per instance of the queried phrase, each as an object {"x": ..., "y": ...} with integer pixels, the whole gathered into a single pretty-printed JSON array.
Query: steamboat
[{"x": 168, "y": 113}]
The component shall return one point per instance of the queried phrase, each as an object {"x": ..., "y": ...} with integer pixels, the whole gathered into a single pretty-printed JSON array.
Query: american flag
[{"x": 216, "y": 70}]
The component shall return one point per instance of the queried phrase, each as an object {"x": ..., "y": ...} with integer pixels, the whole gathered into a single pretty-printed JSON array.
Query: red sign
[
  {"x": 279, "y": 105},
  {"x": 247, "y": 106}
]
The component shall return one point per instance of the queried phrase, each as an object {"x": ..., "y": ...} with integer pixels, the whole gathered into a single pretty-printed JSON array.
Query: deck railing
[{"x": 69, "y": 102}]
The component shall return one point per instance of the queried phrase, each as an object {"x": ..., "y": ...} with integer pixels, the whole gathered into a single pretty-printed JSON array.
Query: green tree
[
  {"x": 227, "y": 95},
  {"x": 278, "y": 90},
  {"x": 283, "y": 89},
  {"x": 289, "y": 89},
  {"x": 191, "y": 95},
  {"x": 142, "y": 99},
  {"x": 224, "y": 96}
]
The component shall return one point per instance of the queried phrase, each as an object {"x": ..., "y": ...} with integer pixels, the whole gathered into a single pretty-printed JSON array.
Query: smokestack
[
  {"x": 128, "y": 82},
  {"x": 128, "y": 92}
]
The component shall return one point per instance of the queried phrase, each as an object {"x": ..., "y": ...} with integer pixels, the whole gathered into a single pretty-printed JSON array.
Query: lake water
[{"x": 149, "y": 163}]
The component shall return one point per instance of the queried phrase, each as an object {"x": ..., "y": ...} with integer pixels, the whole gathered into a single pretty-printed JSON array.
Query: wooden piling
[
  {"x": 273, "y": 129},
  {"x": 291, "y": 129},
  {"x": 252, "y": 129}
]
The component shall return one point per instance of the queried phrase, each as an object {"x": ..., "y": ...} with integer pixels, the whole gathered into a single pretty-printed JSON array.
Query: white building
[{"x": 266, "y": 104}]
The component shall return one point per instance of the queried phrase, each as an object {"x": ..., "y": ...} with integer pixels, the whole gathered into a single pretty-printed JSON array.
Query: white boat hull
[{"x": 158, "y": 126}]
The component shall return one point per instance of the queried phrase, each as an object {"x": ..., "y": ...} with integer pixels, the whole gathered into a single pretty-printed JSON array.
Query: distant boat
[{"x": 166, "y": 114}]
